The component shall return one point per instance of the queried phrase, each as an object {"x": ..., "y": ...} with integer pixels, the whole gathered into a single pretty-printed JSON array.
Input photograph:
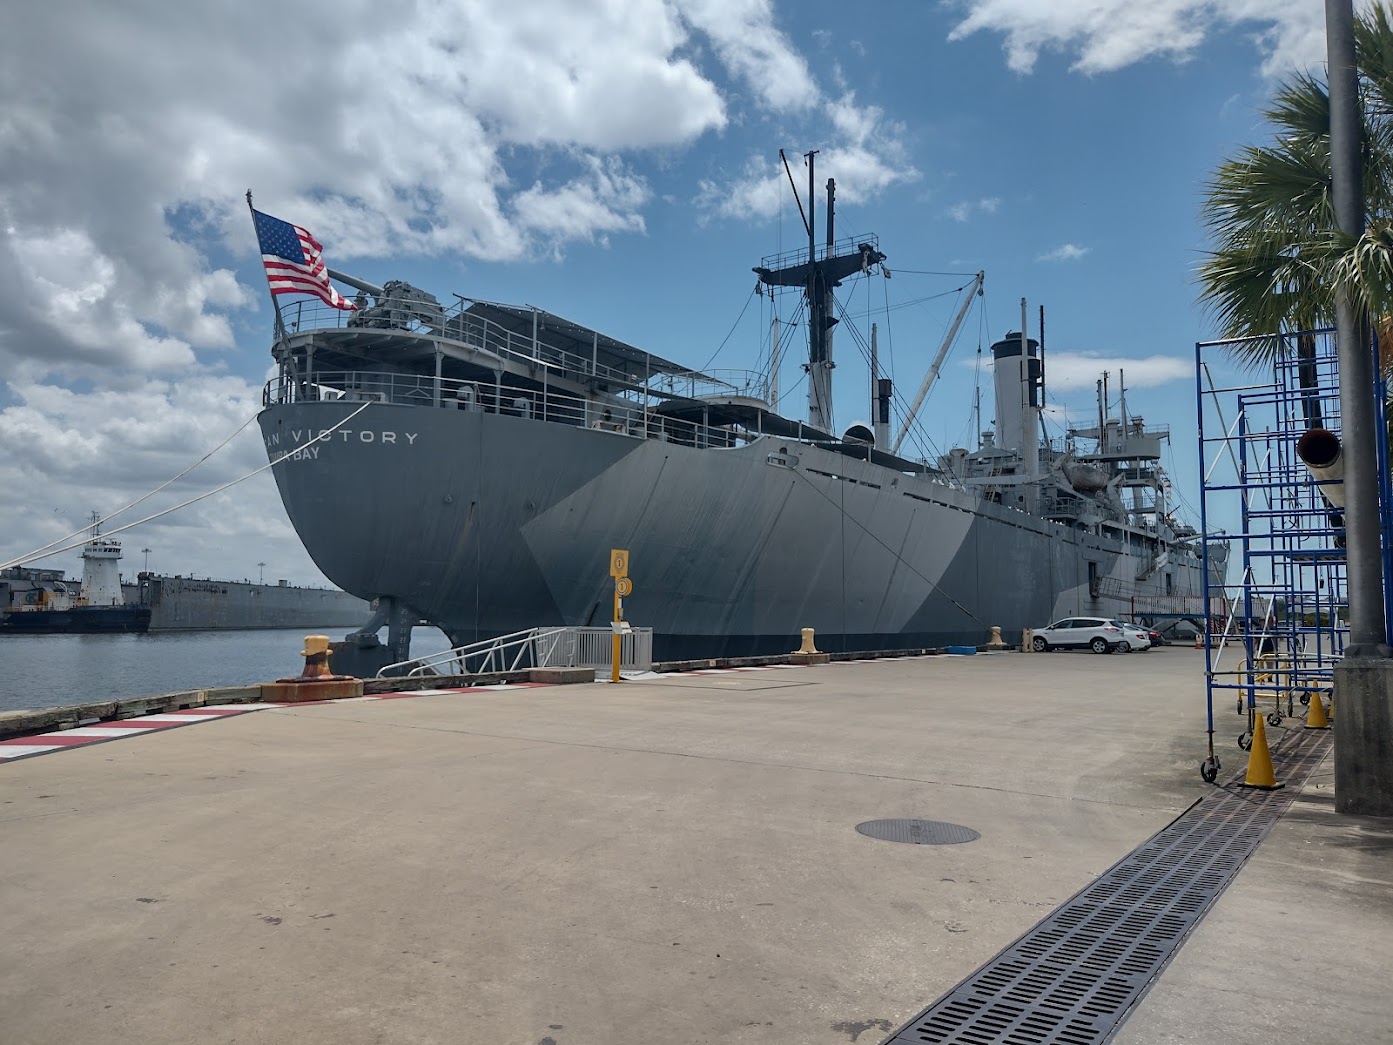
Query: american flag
[{"x": 295, "y": 261}]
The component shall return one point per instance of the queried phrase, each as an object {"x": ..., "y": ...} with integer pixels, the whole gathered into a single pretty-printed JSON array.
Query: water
[{"x": 41, "y": 671}]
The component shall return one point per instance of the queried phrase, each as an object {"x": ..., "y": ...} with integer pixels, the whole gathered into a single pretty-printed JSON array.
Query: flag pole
[{"x": 280, "y": 323}]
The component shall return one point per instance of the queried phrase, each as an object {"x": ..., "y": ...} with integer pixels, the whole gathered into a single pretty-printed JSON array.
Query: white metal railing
[
  {"x": 594, "y": 648},
  {"x": 455, "y": 323},
  {"x": 534, "y": 648},
  {"x": 626, "y": 417}
]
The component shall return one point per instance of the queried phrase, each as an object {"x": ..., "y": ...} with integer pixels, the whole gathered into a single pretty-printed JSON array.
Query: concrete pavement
[{"x": 670, "y": 860}]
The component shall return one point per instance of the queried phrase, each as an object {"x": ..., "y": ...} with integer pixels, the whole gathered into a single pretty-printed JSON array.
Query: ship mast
[{"x": 819, "y": 278}]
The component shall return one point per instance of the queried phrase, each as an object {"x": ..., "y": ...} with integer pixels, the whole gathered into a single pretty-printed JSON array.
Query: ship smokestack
[
  {"x": 1321, "y": 453},
  {"x": 1017, "y": 379}
]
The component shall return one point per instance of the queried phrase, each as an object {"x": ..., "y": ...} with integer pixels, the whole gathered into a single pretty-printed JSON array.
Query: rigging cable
[
  {"x": 192, "y": 500},
  {"x": 146, "y": 497},
  {"x": 730, "y": 332}
]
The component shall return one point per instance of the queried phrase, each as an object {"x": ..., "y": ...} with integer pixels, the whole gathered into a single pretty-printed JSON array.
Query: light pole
[
  {"x": 145, "y": 552},
  {"x": 263, "y": 572},
  {"x": 1364, "y": 678}
]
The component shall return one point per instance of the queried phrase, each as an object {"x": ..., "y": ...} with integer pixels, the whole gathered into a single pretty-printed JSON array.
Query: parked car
[
  {"x": 1096, "y": 633},
  {"x": 1134, "y": 637},
  {"x": 1157, "y": 639}
]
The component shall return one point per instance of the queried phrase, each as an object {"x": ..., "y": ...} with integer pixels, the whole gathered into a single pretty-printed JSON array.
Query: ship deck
[{"x": 671, "y": 860}]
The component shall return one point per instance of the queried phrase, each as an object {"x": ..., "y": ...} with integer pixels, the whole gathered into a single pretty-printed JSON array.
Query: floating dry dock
[{"x": 673, "y": 860}]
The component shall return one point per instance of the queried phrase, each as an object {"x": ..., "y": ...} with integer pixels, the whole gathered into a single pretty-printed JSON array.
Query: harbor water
[{"x": 41, "y": 671}]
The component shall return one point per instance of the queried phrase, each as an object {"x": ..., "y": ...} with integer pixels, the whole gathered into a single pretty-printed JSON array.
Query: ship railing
[
  {"x": 562, "y": 647},
  {"x": 456, "y": 324},
  {"x": 626, "y": 416},
  {"x": 711, "y": 384},
  {"x": 799, "y": 255}
]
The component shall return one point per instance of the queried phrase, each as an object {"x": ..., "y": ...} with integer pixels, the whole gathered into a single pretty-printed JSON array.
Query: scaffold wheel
[{"x": 1245, "y": 741}]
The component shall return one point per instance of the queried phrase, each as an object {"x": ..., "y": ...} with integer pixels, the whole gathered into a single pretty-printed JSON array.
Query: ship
[
  {"x": 42, "y": 601},
  {"x": 472, "y": 466},
  {"x": 36, "y": 602}
]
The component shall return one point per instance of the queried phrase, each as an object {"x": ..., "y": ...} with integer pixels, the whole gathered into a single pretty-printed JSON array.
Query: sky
[{"x": 612, "y": 161}]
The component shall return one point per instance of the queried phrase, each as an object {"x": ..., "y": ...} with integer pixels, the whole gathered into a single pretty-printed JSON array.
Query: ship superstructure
[
  {"x": 471, "y": 465},
  {"x": 41, "y": 601}
]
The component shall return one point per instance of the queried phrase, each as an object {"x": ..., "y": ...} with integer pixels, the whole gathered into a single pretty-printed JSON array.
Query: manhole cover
[{"x": 919, "y": 832}]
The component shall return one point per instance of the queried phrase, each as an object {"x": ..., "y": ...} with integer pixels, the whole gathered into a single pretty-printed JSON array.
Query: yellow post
[
  {"x": 619, "y": 570},
  {"x": 618, "y": 639}
]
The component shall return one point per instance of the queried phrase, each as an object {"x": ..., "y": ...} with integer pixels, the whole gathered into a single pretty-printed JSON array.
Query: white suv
[{"x": 1096, "y": 633}]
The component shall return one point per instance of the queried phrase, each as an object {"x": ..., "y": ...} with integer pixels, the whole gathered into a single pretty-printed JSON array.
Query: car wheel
[
  {"x": 1124, "y": 647},
  {"x": 1099, "y": 645},
  {"x": 1040, "y": 645}
]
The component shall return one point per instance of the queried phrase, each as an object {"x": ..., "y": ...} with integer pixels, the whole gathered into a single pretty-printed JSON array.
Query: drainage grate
[
  {"x": 1076, "y": 976},
  {"x": 920, "y": 832}
]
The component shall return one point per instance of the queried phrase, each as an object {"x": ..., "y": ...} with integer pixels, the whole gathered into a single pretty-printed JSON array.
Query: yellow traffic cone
[
  {"x": 1260, "y": 775},
  {"x": 1315, "y": 713}
]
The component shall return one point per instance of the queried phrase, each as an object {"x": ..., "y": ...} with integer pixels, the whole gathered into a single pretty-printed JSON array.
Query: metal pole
[
  {"x": 1368, "y": 634},
  {"x": 774, "y": 365}
]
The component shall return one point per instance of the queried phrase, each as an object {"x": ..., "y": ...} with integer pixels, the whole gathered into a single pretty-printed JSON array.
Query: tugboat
[{"x": 45, "y": 606}]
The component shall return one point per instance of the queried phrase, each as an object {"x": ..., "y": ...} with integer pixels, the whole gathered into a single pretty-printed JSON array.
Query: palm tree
[{"x": 1278, "y": 257}]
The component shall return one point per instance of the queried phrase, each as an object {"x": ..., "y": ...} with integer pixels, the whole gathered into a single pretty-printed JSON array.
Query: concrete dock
[{"x": 670, "y": 860}]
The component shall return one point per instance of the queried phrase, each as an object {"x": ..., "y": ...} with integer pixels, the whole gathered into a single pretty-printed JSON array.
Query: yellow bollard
[
  {"x": 1260, "y": 775},
  {"x": 808, "y": 645},
  {"x": 316, "y": 654}
]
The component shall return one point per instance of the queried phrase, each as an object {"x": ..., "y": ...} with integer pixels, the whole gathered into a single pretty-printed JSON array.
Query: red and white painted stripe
[{"x": 98, "y": 732}]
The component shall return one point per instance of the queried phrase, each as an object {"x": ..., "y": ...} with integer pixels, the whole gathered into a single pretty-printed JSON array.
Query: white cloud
[
  {"x": 385, "y": 126},
  {"x": 1105, "y": 35},
  {"x": 867, "y": 156},
  {"x": 1075, "y": 371},
  {"x": 1064, "y": 252},
  {"x": 77, "y": 452},
  {"x": 606, "y": 198},
  {"x": 1072, "y": 371},
  {"x": 752, "y": 47},
  {"x": 964, "y": 210}
]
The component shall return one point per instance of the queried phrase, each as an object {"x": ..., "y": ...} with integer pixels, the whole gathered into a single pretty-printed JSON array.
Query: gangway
[{"x": 562, "y": 647}]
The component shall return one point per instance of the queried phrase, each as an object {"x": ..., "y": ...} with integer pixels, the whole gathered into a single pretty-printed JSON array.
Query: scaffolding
[{"x": 1287, "y": 619}]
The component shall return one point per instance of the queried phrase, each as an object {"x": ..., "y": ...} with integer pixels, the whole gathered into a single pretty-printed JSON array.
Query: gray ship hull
[
  {"x": 190, "y": 604},
  {"x": 487, "y": 523}
]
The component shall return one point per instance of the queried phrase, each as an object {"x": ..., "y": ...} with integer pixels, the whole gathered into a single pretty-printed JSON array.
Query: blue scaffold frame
[{"x": 1286, "y": 620}]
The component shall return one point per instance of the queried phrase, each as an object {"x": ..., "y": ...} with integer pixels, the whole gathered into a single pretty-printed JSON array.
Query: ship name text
[{"x": 301, "y": 443}]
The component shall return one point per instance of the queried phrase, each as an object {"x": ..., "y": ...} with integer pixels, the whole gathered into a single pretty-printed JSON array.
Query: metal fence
[{"x": 594, "y": 648}]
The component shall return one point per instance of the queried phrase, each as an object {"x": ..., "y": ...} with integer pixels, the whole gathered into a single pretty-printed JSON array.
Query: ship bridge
[{"x": 408, "y": 330}]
